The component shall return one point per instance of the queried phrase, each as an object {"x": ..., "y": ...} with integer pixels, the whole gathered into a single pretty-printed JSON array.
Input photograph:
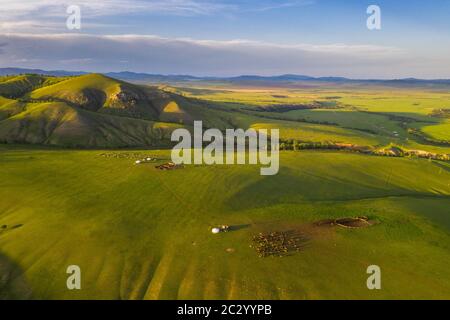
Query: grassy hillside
[
  {"x": 95, "y": 111},
  {"x": 16, "y": 86},
  {"x": 56, "y": 123},
  {"x": 10, "y": 107},
  {"x": 142, "y": 233},
  {"x": 113, "y": 113},
  {"x": 96, "y": 92}
]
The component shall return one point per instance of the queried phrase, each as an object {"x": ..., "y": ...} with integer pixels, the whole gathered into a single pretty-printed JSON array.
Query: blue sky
[
  {"x": 318, "y": 21},
  {"x": 218, "y": 37}
]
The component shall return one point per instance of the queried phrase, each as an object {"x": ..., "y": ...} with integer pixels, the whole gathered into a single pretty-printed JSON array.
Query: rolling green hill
[
  {"x": 96, "y": 92},
  {"x": 94, "y": 111},
  {"x": 16, "y": 86},
  {"x": 97, "y": 111},
  {"x": 59, "y": 124}
]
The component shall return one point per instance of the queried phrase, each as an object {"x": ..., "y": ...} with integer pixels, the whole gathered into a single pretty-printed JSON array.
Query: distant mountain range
[
  {"x": 18, "y": 71},
  {"x": 159, "y": 78}
]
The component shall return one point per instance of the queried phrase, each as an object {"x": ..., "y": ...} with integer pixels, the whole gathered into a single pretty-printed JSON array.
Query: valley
[{"x": 72, "y": 193}]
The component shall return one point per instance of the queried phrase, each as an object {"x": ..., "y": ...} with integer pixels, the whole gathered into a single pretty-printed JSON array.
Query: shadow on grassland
[
  {"x": 13, "y": 284},
  {"x": 292, "y": 186}
]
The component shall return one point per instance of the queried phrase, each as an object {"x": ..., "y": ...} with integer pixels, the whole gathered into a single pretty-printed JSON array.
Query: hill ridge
[{"x": 94, "y": 110}]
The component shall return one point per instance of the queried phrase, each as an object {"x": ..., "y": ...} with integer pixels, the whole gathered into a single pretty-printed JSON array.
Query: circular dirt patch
[{"x": 359, "y": 222}]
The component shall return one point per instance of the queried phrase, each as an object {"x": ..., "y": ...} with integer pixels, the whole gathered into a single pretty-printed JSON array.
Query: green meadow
[
  {"x": 142, "y": 233},
  {"x": 367, "y": 115}
]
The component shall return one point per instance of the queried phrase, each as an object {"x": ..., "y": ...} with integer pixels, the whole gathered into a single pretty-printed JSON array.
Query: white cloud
[
  {"x": 153, "y": 54},
  {"x": 281, "y": 5},
  {"x": 44, "y": 15},
  {"x": 92, "y": 8},
  {"x": 49, "y": 15}
]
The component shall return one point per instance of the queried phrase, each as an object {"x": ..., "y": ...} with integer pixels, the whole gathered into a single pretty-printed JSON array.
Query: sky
[{"x": 230, "y": 37}]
